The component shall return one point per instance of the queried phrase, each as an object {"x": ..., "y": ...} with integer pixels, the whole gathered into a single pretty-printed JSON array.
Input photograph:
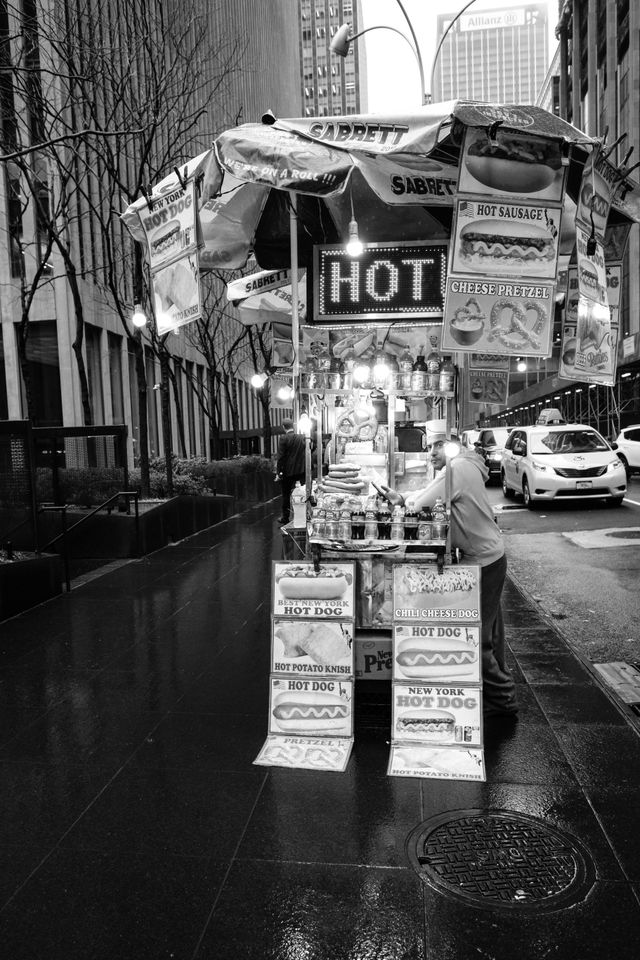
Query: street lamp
[{"x": 341, "y": 41}]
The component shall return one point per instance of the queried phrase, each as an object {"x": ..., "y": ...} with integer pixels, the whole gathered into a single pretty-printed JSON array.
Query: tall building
[
  {"x": 256, "y": 67},
  {"x": 331, "y": 85},
  {"x": 496, "y": 55}
]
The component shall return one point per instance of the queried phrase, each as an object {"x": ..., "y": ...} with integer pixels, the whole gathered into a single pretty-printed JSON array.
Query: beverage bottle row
[{"x": 416, "y": 375}]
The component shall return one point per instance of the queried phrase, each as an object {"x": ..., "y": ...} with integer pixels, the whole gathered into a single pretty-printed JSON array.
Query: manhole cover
[
  {"x": 502, "y": 860},
  {"x": 625, "y": 534}
]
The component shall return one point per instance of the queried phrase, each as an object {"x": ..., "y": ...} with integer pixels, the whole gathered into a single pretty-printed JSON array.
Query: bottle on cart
[
  {"x": 384, "y": 521},
  {"x": 439, "y": 520},
  {"x": 317, "y": 523},
  {"x": 433, "y": 369},
  {"x": 405, "y": 365},
  {"x": 335, "y": 377},
  {"x": 447, "y": 376},
  {"x": 439, "y": 511},
  {"x": 344, "y": 526},
  {"x": 424, "y": 527},
  {"x": 346, "y": 370},
  {"x": 419, "y": 374},
  {"x": 394, "y": 372},
  {"x": 310, "y": 373},
  {"x": 332, "y": 524},
  {"x": 324, "y": 366},
  {"x": 357, "y": 524},
  {"x": 410, "y": 523},
  {"x": 371, "y": 520},
  {"x": 397, "y": 523},
  {"x": 299, "y": 505}
]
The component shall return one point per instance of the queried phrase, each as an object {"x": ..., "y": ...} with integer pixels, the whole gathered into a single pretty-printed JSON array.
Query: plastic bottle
[
  {"x": 357, "y": 524},
  {"x": 344, "y": 526},
  {"x": 310, "y": 373},
  {"x": 371, "y": 520},
  {"x": 384, "y": 521},
  {"x": 424, "y": 527},
  {"x": 447, "y": 377},
  {"x": 394, "y": 372},
  {"x": 419, "y": 374},
  {"x": 334, "y": 376},
  {"x": 410, "y": 524},
  {"x": 346, "y": 370},
  {"x": 298, "y": 503},
  {"x": 397, "y": 523},
  {"x": 405, "y": 364},
  {"x": 433, "y": 370},
  {"x": 324, "y": 365}
]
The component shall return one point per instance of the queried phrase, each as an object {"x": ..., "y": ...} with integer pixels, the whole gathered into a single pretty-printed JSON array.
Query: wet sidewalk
[{"x": 134, "y": 824}]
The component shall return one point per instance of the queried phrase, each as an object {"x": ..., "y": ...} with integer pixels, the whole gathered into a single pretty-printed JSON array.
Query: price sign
[{"x": 395, "y": 281}]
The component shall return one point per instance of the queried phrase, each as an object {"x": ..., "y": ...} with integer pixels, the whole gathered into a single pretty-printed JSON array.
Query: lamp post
[
  {"x": 442, "y": 39},
  {"x": 341, "y": 41}
]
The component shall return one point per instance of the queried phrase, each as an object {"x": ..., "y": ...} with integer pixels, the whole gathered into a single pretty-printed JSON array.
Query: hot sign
[{"x": 401, "y": 280}]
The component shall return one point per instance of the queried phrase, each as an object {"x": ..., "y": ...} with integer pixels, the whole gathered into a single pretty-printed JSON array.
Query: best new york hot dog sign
[{"x": 302, "y": 590}]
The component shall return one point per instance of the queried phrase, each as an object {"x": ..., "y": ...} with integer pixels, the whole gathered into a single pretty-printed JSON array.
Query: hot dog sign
[
  {"x": 311, "y": 707},
  {"x": 443, "y": 715},
  {"x": 436, "y": 652},
  {"x": 323, "y": 591},
  {"x": 421, "y": 592}
]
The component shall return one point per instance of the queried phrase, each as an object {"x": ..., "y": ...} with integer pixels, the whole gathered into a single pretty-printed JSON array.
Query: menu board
[
  {"x": 436, "y": 728},
  {"x": 310, "y": 723},
  {"x": 511, "y": 164}
]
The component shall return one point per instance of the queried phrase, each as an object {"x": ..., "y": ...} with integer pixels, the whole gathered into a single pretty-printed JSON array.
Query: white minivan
[
  {"x": 567, "y": 461},
  {"x": 627, "y": 446}
]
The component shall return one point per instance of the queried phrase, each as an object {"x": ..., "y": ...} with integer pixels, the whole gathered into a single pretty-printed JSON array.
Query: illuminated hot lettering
[
  {"x": 353, "y": 280},
  {"x": 417, "y": 267},
  {"x": 371, "y": 280}
]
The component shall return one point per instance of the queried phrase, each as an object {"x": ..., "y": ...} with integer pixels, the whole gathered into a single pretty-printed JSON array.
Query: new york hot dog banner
[
  {"x": 302, "y": 591},
  {"x": 499, "y": 316},
  {"x": 443, "y": 715}
]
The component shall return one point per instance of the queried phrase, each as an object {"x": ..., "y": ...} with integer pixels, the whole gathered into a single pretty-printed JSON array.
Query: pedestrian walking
[
  {"x": 476, "y": 535},
  {"x": 290, "y": 465}
]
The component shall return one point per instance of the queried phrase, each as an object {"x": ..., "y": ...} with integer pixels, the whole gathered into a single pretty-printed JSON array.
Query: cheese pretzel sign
[{"x": 509, "y": 324}]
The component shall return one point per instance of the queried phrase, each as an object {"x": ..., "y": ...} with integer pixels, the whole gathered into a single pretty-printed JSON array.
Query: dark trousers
[
  {"x": 288, "y": 483},
  {"x": 498, "y": 688}
]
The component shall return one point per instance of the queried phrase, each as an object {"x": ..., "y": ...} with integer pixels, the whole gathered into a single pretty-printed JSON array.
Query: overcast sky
[{"x": 394, "y": 79}]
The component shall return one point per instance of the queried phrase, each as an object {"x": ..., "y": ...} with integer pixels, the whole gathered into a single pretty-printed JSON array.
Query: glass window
[
  {"x": 44, "y": 373},
  {"x": 152, "y": 403},
  {"x": 115, "y": 376},
  {"x": 4, "y": 404},
  {"x": 190, "y": 408},
  {"x": 134, "y": 398},
  {"x": 92, "y": 337}
]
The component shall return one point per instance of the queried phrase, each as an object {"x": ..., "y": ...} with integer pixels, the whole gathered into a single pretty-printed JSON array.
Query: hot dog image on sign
[
  {"x": 500, "y": 239},
  {"x": 436, "y": 652},
  {"x": 511, "y": 165},
  {"x": 304, "y": 590},
  {"x": 311, "y": 708},
  {"x": 312, "y": 647},
  {"x": 441, "y": 715},
  {"x": 425, "y": 593}
]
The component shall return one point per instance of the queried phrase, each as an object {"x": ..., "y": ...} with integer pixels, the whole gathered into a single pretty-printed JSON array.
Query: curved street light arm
[
  {"x": 382, "y": 26},
  {"x": 442, "y": 40}
]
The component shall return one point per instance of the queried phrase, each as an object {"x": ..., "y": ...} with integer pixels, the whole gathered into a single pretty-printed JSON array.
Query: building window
[
  {"x": 44, "y": 373},
  {"x": 115, "y": 376},
  {"x": 94, "y": 372},
  {"x": 191, "y": 422},
  {"x": 152, "y": 402},
  {"x": 134, "y": 399},
  {"x": 4, "y": 404}
]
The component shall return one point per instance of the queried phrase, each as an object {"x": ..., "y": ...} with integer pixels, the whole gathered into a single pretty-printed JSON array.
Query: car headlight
[
  {"x": 538, "y": 466},
  {"x": 615, "y": 464},
  {"x": 496, "y": 455}
]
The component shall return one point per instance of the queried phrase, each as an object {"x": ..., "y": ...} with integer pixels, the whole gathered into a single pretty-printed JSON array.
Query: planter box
[{"x": 25, "y": 583}]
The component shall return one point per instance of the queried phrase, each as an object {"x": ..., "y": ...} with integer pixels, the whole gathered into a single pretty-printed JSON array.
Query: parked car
[
  {"x": 565, "y": 462},
  {"x": 627, "y": 446},
  {"x": 492, "y": 441}
]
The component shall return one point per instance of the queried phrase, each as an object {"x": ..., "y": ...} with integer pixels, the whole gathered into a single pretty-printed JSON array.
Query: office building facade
[
  {"x": 331, "y": 85},
  {"x": 257, "y": 67},
  {"x": 497, "y": 55}
]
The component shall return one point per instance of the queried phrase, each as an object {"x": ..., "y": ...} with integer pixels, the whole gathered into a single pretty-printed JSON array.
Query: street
[{"x": 581, "y": 564}]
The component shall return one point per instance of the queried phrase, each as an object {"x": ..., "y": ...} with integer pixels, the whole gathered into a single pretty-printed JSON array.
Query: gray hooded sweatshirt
[{"x": 473, "y": 527}]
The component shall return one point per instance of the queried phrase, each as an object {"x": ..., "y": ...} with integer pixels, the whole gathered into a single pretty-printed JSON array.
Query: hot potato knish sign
[{"x": 304, "y": 590}]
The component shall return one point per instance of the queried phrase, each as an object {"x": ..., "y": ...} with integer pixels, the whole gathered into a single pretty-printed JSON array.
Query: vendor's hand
[{"x": 395, "y": 499}]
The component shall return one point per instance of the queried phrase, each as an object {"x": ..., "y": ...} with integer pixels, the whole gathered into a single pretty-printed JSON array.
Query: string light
[{"x": 139, "y": 318}]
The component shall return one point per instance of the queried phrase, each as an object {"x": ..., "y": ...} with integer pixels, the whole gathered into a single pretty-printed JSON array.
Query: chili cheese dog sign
[{"x": 423, "y": 593}]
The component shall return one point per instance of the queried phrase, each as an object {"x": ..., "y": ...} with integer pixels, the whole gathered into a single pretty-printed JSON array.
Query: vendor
[{"x": 476, "y": 535}]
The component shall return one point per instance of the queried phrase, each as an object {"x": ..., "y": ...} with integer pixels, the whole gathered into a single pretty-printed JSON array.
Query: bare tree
[{"x": 113, "y": 96}]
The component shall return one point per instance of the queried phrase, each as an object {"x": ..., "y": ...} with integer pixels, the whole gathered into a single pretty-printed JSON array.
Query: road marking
[
  {"x": 636, "y": 503},
  {"x": 607, "y": 537}
]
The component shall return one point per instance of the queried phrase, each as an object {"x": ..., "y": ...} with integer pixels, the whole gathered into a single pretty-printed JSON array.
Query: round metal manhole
[
  {"x": 625, "y": 534},
  {"x": 501, "y": 860}
]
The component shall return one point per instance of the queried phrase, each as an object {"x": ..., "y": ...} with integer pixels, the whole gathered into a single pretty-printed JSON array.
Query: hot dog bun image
[
  {"x": 437, "y": 726},
  {"x": 420, "y": 657},
  {"x": 513, "y": 242},
  {"x": 302, "y": 582},
  {"x": 309, "y": 712},
  {"x": 165, "y": 239},
  {"x": 513, "y": 164}
]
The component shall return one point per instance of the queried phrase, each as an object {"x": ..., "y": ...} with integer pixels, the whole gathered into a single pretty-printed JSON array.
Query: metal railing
[{"x": 66, "y": 531}]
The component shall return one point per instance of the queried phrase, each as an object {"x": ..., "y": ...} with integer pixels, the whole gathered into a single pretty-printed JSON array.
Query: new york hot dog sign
[
  {"x": 302, "y": 590},
  {"x": 443, "y": 715}
]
